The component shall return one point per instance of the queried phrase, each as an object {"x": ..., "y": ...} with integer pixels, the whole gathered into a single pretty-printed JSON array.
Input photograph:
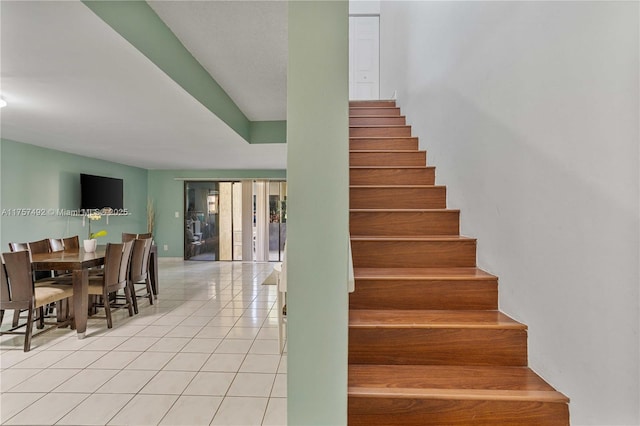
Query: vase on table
[{"x": 90, "y": 245}]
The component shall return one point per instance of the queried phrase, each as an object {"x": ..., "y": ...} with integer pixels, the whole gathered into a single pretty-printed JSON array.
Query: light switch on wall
[{"x": 177, "y": 214}]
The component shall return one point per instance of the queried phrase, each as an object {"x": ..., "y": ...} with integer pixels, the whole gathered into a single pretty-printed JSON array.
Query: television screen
[{"x": 98, "y": 192}]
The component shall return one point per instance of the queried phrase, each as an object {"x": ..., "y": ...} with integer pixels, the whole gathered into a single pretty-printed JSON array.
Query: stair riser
[
  {"x": 383, "y": 143},
  {"x": 438, "y": 346},
  {"x": 415, "y": 158},
  {"x": 365, "y": 104},
  {"x": 376, "y": 121},
  {"x": 355, "y": 111},
  {"x": 399, "y": 176},
  {"x": 425, "y": 294},
  {"x": 404, "y": 223},
  {"x": 398, "y": 198},
  {"x": 379, "y": 131},
  {"x": 414, "y": 254},
  {"x": 364, "y": 411}
]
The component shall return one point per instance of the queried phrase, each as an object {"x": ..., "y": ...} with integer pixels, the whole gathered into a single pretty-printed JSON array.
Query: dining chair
[
  {"x": 139, "y": 271},
  {"x": 114, "y": 278},
  {"x": 71, "y": 243},
  {"x": 40, "y": 246},
  {"x": 129, "y": 237},
  {"x": 56, "y": 244},
  {"x": 19, "y": 292}
]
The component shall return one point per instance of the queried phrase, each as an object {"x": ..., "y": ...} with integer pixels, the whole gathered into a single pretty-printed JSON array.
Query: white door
[{"x": 364, "y": 57}]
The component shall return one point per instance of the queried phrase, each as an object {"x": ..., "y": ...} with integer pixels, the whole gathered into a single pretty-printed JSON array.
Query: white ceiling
[{"x": 73, "y": 84}]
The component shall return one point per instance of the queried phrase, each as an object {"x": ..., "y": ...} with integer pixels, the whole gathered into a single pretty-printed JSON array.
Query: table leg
[{"x": 80, "y": 300}]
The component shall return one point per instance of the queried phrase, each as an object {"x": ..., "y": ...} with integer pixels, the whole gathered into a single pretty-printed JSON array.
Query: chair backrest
[
  {"x": 56, "y": 244},
  {"x": 18, "y": 281},
  {"x": 130, "y": 237},
  {"x": 140, "y": 259},
  {"x": 71, "y": 243},
  {"x": 40, "y": 246},
  {"x": 116, "y": 264},
  {"x": 18, "y": 247}
]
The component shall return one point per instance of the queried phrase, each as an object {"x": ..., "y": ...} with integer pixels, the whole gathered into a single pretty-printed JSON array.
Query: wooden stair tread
[
  {"x": 383, "y": 151},
  {"x": 412, "y": 238},
  {"x": 390, "y": 167},
  {"x": 396, "y": 186},
  {"x": 369, "y": 318},
  {"x": 377, "y": 126},
  {"x": 446, "y": 377},
  {"x": 421, "y": 273},
  {"x": 401, "y": 210}
]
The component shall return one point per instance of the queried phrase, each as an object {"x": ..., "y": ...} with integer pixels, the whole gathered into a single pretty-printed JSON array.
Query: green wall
[
  {"x": 318, "y": 203},
  {"x": 166, "y": 189},
  {"x": 38, "y": 178}
]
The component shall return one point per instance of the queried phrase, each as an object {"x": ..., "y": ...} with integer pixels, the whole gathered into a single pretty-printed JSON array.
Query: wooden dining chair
[
  {"x": 56, "y": 244},
  {"x": 126, "y": 236},
  {"x": 139, "y": 271},
  {"x": 71, "y": 243},
  {"x": 19, "y": 292},
  {"x": 114, "y": 278}
]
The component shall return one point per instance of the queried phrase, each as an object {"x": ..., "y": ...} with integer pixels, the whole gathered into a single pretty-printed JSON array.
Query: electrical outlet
[{"x": 166, "y": 247}]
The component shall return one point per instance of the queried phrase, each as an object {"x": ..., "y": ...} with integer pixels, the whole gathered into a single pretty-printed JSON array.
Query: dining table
[{"x": 78, "y": 262}]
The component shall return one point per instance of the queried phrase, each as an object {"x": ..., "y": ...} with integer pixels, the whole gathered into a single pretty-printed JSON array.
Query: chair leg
[
  {"x": 130, "y": 300},
  {"x": 40, "y": 318},
  {"x": 28, "y": 331},
  {"x": 149, "y": 290},
  {"x": 107, "y": 309},
  {"x": 1, "y": 315},
  {"x": 16, "y": 318},
  {"x": 134, "y": 297}
]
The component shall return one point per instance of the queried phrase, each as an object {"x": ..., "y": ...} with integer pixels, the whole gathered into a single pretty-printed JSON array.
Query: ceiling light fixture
[{"x": 3, "y": 103}]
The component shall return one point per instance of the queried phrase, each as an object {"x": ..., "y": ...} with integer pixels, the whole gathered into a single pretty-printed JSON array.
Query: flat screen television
[{"x": 98, "y": 192}]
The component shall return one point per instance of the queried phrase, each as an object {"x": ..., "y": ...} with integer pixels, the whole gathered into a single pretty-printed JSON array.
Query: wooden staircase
[{"x": 427, "y": 343}]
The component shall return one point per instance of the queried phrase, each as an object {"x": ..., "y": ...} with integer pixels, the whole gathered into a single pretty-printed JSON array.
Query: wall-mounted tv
[{"x": 98, "y": 192}]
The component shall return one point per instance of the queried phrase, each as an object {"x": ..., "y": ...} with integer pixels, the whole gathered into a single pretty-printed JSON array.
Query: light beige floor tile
[
  {"x": 43, "y": 359},
  {"x": 115, "y": 360},
  {"x": 279, "y": 386},
  {"x": 187, "y": 362},
  {"x": 183, "y": 331},
  {"x": 252, "y": 384},
  {"x": 168, "y": 383},
  {"x": 156, "y": 330},
  {"x": 192, "y": 410},
  {"x": 268, "y": 333},
  {"x": 86, "y": 381},
  {"x": 46, "y": 380},
  {"x": 126, "y": 330},
  {"x": 202, "y": 345},
  {"x": 170, "y": 320},
  {"x": 48, "y": 409},
  {"x": 210, "y": 332},
  {"x": 150, "y": 361},
  {"x": 195, "y": 321},
  {"x": 169, "y": 344},
  {"x": 9, "y": 358},
  {"x": 239, "y": 411},
  {"x": 282, "y": 368},
  {"x": 260, "y": 364},
  {"x": 71, "y": 343},
  {"x": 210, "y": 383},
  {"x": 249, "y": 322},
  {"x": 137, "y": 343},
  {"x": 127, "y": 381},
  {"x": 144, "y": 410},
  {"x": 223, "y": 362},
  {"x": 276, "y": 414},
  {"x": 104, "y": 343},
  {"x": 97, "y": 409},
  {"x": 265, "y": 347},
  {"x": 12, "y": 403},
  {"x": 243, "y": 333},
  {"x": 221, "y": 322},
  {"x": 79, "y": 359},
  {"x": 234, "y": 346},
  {"x": 14, "y": 376}
]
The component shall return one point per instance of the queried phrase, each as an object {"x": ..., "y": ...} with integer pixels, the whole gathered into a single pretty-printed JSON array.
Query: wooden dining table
[{"x": 79, "y": 262}]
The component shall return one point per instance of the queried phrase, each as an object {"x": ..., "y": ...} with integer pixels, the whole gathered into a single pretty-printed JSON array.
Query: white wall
[{"x": 530, "y": 112}]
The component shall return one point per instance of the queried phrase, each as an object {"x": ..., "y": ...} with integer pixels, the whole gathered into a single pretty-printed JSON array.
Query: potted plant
[{"x": 91, "y": 243}]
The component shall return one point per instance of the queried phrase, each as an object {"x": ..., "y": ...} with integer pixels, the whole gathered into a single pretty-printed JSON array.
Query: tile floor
[{"x": 206, "y": 353}]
